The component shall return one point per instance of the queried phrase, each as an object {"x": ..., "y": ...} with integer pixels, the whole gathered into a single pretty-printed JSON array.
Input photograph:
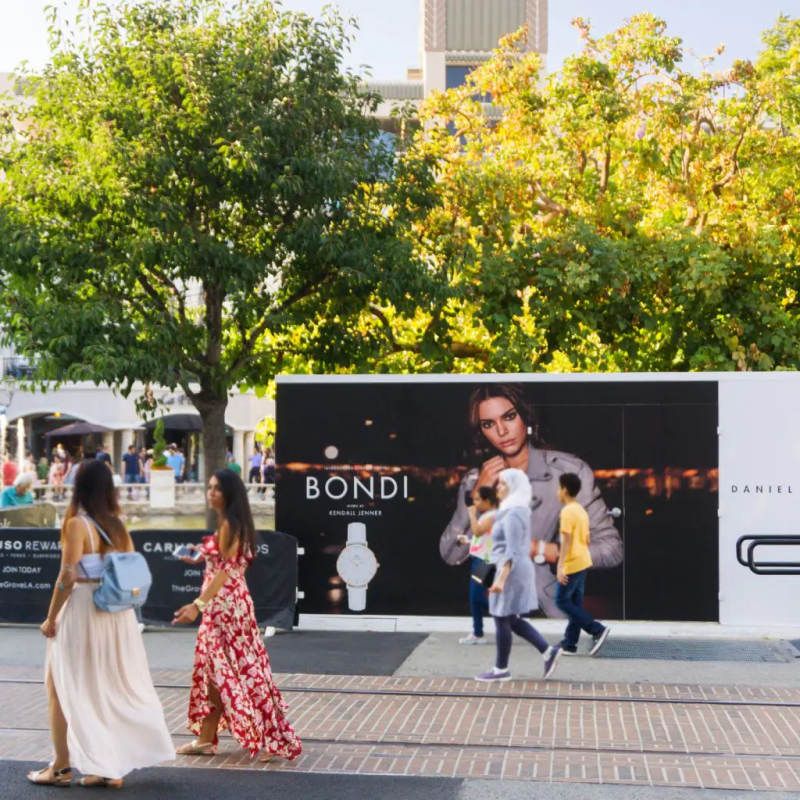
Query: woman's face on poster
[{"x": 502, "y": 425}]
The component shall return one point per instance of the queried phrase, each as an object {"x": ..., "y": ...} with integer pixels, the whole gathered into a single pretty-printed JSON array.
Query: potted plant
[{"x": 162, "y": 476}]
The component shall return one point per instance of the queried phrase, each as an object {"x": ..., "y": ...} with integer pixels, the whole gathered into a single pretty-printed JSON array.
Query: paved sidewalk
[{"x": 728, "y": 734}]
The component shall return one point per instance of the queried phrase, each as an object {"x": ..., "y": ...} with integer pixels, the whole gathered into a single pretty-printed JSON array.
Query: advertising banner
[
  {"x": 30, "y": 559},
  {"x": 374, "y": 474},
  {"x": 760, "y": 499}
]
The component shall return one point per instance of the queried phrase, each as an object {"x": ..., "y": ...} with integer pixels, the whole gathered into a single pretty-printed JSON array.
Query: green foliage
[
  {"x": 196, "y": 194},
  {"x": 159, "y": 445},
  {"x": 625, "y": 213}
]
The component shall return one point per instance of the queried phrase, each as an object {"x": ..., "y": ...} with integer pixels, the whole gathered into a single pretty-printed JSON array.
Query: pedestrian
[
  {"x": 574, "y": 562},
  {"x": 10, "y": 471},
  {"x": 147, "y": 469},
  {"x": 29, "y": 464},
  {"x": 132, "y": 467},
  {"x": 233, "y": 466},
  {"x": 20, "y": 493},
  {"x": 176, "y": 462},
  {"x": 56, "y": 478},
  {"x": 105, "y": 716},
  {"x": 232, "y": 682},
  {"x": 255, "y": 466},
  {"x": 513, "y": 592},
  {"x": 104, "y": 457},
  {"x": 482, "y": 509}
]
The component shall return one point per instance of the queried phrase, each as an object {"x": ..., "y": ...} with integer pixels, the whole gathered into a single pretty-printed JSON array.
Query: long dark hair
[
  {"x": 96, "y": 496},
  {"x": 237, "y": 511},
  {"x": 515, "y": 394}
]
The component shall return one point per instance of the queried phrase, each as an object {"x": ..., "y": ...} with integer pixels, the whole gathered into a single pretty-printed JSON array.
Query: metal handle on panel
[
  {"x": 767, "y": 567},
  {"x": 614, "y": 512}
]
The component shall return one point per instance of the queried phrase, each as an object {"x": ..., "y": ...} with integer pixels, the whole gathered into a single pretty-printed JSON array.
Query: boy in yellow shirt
[{"x": 574, "y": 562}]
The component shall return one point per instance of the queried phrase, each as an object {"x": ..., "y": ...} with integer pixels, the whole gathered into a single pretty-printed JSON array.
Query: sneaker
[
  {"x": 551, "y": 658},
  {"x": 599, "y": 641},
  {"x": 472, "y": 639},
  {"x": 568, "y": 651},
  {"x": 141, "y": 627},
  {"x": 492, "y": 676}
]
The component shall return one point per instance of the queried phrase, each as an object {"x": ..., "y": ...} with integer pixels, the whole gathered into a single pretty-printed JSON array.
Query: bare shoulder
[
  {"x": 75, "y": 530},
  {"x": 226, "y": 540}
]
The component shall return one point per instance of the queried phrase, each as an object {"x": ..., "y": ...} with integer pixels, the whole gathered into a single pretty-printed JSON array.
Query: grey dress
[{"x": 511, "y": 541}]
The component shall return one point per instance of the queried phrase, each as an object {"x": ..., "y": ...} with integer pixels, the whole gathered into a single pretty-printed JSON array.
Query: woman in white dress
[{"x": 105, "y": 716}]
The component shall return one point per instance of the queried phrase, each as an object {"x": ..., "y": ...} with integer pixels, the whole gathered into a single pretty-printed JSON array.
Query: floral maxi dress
[{"x": 230, "y": 655}]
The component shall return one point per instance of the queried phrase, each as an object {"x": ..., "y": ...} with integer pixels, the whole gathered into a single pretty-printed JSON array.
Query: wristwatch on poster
[
  {"x": 539, "y": 557},
  {"x": 357, "y": 566}
]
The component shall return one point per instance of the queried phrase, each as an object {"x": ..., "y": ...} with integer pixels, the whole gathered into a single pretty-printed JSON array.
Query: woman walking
[
  {"x": 232, "y": 683},
  {"x": 105, "y": 717},
  {"x": 513, "y": 592}
]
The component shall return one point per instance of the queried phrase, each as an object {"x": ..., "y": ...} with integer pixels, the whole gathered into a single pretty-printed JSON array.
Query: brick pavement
[{"x": 549, "y": 731}]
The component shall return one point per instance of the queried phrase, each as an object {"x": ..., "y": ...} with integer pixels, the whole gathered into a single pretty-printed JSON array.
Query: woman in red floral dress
[{"x": 232, "y": 681}]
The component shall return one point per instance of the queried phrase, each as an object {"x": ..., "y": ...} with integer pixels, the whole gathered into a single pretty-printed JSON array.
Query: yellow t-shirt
[{"x": 575, "y": 523}]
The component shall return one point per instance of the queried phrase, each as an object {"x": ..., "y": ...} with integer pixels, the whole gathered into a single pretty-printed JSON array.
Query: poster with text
[{"x": 374, "y": 477}]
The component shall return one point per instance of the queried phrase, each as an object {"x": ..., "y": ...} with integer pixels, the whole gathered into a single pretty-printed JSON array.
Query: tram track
[{"x": 461, "y": 695}]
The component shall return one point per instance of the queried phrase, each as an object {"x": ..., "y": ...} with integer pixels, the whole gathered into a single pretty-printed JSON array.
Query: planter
[{"x": 162, "y": 488}]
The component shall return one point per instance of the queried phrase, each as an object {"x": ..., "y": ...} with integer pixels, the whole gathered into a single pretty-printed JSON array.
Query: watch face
[{"x": 357, "y": 565}]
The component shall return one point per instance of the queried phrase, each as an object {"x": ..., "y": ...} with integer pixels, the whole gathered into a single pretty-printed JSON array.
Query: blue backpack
[{"x": 126, "y": 579}]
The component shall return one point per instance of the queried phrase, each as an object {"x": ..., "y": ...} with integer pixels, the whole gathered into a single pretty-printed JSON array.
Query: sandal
[
  {"x": 58, "y": 777},
  {"x": 267, "y": 757},
  {"x": 95, "y": 781},
  {"x": 195, "y": 749}
]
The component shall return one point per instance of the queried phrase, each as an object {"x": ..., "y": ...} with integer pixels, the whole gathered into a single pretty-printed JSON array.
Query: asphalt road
[{"x": 207, "y": 784}]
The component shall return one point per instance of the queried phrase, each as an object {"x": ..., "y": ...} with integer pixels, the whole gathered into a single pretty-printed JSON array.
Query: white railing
[{"x": 186, "y": 494}]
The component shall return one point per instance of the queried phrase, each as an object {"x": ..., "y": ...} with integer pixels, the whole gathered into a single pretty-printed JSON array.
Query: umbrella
[
  {"x": 178, "y": 422},
  {"x": 188, "y": 423},
  {"x": 78, "y": 429}
]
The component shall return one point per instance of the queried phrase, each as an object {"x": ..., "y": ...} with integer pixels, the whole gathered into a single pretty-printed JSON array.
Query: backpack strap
[{"x": 100, "y": 531}]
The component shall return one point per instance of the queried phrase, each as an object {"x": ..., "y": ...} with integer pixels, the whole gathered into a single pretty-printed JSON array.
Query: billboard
[{"x": 372, "y": 474}]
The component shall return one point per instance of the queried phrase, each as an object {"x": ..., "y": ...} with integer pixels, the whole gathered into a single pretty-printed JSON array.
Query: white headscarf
[{"x": 519, "y": 489}]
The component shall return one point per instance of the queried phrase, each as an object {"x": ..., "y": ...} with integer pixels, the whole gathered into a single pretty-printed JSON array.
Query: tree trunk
[{"x": 212, "y": 412}]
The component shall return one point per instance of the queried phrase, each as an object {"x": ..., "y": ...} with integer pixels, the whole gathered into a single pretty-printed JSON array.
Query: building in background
[{"x": 456, "y": 36}]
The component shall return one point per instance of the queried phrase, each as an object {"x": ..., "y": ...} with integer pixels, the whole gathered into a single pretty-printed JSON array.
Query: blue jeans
[
  {"x": 478, "y": 602},
  {"x": 569, "y": 600}
]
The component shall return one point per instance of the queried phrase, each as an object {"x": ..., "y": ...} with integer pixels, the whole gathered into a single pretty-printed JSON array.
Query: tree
[
  {"x": 199, "y": 192},
  {"x": 625, "y": 213}
]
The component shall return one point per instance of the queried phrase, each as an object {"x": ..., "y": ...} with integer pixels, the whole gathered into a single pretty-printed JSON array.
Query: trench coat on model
[{"x": 544, "y": 469}]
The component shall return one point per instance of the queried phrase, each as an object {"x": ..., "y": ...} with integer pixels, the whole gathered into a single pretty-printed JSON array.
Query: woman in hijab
[{"x": 513, "y": 592}]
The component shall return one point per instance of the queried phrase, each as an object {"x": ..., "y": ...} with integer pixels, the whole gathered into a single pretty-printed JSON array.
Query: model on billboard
[{"x": 506, "y": 435}]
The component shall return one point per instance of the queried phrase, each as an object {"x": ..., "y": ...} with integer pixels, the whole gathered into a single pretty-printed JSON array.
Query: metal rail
[{"x": 707, "y": 701}]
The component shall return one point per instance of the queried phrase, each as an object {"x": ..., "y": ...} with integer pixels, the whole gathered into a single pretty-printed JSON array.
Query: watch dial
[{"x": 357, "y": 565}]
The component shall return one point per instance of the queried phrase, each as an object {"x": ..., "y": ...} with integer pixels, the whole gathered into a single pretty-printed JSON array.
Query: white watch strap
[
  {"x": 357, "y": 596},
  {"x": 356, "y": 533}
]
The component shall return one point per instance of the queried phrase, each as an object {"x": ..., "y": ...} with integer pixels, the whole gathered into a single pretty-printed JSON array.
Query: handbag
[
  {"x": 484, "y": 573},
  {"x": 125, "y": 582}
]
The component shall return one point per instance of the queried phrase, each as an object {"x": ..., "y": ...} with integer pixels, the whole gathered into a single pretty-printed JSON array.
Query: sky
[{"x": 388, "y": 39}]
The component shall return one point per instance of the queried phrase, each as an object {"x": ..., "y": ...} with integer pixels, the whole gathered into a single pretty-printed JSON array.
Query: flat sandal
[
  {"x": 59, "y": 777},
  {"x": 195, "y": 749}
]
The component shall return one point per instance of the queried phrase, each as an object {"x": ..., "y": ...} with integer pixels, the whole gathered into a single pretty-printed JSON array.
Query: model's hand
[
  {"x": 186, "y": 615},
  {"x": 497, "y": 588},
  {"x": 562, "y": 576},
  {"x": 463, "y": 539},
  {"x": 48, "y": 628},
  {"x": 490, "y": 472}
]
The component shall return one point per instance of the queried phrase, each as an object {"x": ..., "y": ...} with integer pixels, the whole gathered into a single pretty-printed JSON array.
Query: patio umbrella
[{"x": 78, "y": 429}]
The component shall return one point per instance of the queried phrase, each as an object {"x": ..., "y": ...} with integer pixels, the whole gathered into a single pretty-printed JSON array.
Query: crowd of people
[
  {"x": 58, "y": 472},
  {"x": 105, "y": 716}
]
